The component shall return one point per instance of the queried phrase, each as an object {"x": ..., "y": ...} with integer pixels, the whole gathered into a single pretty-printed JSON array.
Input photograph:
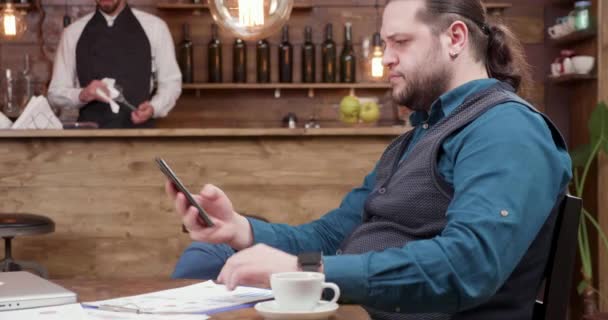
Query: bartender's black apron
[{"x": 122, "y": 52}]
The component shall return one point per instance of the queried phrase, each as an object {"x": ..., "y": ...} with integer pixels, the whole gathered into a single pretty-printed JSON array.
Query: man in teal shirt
[{"x": 453, "y": 222}]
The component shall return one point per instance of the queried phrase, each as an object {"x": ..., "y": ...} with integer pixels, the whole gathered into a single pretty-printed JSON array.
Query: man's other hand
[
  {"x": 253, "y": 267},
  {"x": 144, "y": 112},
  {"x": 89, "y": 93}
]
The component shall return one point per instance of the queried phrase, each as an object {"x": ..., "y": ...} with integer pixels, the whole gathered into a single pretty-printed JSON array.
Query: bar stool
[{"x": 21, "y": 224}]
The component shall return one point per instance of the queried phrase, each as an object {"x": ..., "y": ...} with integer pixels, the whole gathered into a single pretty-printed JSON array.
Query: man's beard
[
  {"x": 109, "y": 9},
  {"x": 423, "y": 87}
]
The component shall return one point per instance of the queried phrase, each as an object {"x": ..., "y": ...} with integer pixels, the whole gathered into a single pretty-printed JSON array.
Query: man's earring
[{"x": 453, "y": 54}]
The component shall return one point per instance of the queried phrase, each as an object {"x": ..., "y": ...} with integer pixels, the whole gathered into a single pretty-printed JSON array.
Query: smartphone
[{"x": 164, "y": 167}]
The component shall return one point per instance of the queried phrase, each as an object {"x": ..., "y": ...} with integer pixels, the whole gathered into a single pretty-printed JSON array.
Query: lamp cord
[{"x": 376, "y": 6}]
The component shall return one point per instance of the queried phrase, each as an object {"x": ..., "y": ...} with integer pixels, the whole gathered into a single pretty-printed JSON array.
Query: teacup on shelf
[{"x": 583, "y": 64}]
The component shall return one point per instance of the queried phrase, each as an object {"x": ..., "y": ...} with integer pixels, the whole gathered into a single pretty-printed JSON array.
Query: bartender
[{"x": 116, "y": 42}]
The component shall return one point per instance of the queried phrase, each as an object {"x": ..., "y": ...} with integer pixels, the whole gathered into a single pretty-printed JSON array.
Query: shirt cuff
[
  {"x": 350, "y": 273},
  {"x": 262, "y": 232}
]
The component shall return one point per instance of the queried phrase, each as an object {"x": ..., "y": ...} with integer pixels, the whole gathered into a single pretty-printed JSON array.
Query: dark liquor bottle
[
  {"x": 348, "y": 63},
  {"x": 185, "y": 56},
  {"x": 308, "y": 57},
  {"x": 214, "y": 57},
  {"x": 285, "y": 57},
  {"x": 263, "y": 61},
  {"x": 328, "y": 55},
  {"x": 239, "y": 61}
]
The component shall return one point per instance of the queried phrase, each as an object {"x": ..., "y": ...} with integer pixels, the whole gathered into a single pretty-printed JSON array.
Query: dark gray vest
[
  {"x": 122, "y": 52},
  {"x": 410, "y": 200}
]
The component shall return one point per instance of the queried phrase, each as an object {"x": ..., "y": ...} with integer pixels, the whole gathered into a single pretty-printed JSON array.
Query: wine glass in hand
[{"x": 122, "y": 100}]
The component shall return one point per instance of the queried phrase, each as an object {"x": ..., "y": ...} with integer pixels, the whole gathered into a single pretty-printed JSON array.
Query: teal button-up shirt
[{"x": 507, "y": 173}]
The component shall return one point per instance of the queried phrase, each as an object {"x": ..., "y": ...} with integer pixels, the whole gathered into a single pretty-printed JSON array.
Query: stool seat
[{"x": 22, "y": 224}]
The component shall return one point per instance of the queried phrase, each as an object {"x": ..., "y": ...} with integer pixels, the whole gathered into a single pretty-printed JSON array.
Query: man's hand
[
  {"x": 89, "y": 93},
  {"x": 144, "y": 112},
  {"x": 253, "y": 266},
  {"x": 229, "y": 227}
]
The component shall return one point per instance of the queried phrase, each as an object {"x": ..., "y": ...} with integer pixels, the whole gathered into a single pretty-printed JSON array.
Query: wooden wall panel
[{"x": 107, "y": 200}]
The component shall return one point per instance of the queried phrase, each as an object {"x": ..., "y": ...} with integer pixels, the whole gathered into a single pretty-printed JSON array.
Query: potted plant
[{"x": 582, "y": 158}]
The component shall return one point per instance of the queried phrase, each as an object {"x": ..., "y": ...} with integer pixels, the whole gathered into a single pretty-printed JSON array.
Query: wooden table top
[{"x": 101, "y": 289}]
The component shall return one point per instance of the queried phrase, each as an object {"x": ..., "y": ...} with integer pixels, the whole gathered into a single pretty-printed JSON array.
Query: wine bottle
[
  {"x": 239, "y": 61},
  {"x": 185, "y": 55},
  {"x": 263, "y": 61},
  {"x": 348, "y": 62},
  {"x": 214, "y": 57},
  {"x": 328, "y": 55},
  {"x": 308, "y": 57},
  {"x": 285, "y": 57}
]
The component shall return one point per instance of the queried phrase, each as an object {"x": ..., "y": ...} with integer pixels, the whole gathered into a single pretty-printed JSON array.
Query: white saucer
[{"x": 270, "y": 310}]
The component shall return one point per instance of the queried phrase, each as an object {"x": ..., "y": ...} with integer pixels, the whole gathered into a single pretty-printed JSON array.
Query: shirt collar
[
  {"x": 111, "y": 19},
  {"x": 449, "y": 101}
]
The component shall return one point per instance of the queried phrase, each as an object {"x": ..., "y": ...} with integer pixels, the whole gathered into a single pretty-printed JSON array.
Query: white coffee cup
[{"x": 300, "y": 291}]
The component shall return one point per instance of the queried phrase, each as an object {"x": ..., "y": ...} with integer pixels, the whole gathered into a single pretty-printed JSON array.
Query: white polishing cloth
[{"x": 113, "y": 93}]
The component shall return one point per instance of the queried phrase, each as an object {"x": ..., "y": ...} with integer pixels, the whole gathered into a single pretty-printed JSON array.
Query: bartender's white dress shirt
[{"x": 65, "y": 88}]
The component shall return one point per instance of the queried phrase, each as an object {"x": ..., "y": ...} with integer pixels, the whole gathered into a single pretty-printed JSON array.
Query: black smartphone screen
[{"x": 164, "y": 167}]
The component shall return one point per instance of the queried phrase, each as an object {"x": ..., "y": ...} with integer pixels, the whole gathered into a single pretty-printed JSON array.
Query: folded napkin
[
  {"x": 114, "y": 93},
  {"x": 37, "y": 115}
]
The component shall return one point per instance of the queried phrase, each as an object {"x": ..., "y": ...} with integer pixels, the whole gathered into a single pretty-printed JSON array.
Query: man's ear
[{"x": 457, "y": 38}]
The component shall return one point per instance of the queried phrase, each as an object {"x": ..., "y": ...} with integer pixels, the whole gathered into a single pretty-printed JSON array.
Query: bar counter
[
  {"x": 105, "y": 193},
  {"x": 206, "y": 132}
]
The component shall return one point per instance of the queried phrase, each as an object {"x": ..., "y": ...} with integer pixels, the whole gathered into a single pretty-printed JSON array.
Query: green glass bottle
[
  {"x": 239, "y": 61},
  {"x": 186, "y": 56},
  {"x": 348, "y": 61},
  {"x": 214, "y": 57},
  {"x": 308, "y": 57},
  {"x": 285, "y": 57},
  {"x": 328, "y": 56},
  {"x": 263, "y": 61}
]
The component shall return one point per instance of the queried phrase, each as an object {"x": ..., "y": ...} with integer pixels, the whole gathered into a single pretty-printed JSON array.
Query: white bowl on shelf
[{"x": 583, "y": 64}]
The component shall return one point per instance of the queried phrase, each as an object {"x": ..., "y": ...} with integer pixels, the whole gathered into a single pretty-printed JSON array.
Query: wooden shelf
[
  {"x": 181, "y": 6},
  {"x": 273, "y": 86},
  {"x": 563, "y": 3},
  {"x": 306, "y": 4},
  {"x": 575, "y": 37},
  {"x": 572, "y": 78},
  {"x": 19, "y": 6},
  {"x": 278, "y": 87},
  {"x": 206, "y": 132}
]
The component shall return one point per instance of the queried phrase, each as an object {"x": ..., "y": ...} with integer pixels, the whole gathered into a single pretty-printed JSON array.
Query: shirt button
[
  {"x": 425, "y": 126},
  {"x": 382, "y": 190},
  {"x": 504, "y": 213}
]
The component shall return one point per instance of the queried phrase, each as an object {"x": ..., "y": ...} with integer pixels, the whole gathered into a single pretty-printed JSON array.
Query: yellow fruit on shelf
[{"x": 370, "y": 112}]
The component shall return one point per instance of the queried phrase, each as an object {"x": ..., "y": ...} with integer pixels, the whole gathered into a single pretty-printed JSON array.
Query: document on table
[
  {"x": 64, "y": 312},
  {"x": 95, "y": 314},
  {"x": 202, "y": 298},
  {"x": 76, "y": 312}
]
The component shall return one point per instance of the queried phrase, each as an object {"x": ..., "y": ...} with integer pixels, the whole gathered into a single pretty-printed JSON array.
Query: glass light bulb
[
  {"x": 13, "y": 23},
  {"x": 377, "y": 67},
  {"x": 377, "y": 56},
  {"x": 251, "y": 19}
]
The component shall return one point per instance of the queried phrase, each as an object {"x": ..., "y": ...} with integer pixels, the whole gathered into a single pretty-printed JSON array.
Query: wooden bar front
[{"x": 105, "y": 193}]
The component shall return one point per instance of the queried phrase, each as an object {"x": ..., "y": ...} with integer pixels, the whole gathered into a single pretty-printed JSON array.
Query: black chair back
[{"x": 560, "y": 266}]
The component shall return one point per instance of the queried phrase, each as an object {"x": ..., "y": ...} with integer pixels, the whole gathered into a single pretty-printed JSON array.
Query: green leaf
[
  {"x": 580, "y": 155},
  {"x": 598, "y": 126},
  {"x": 584, "y": 284}
]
